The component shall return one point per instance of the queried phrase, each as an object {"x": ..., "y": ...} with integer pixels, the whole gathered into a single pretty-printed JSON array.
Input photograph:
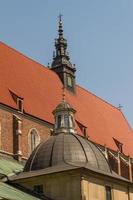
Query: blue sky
[{"x": 100, "y": 41}]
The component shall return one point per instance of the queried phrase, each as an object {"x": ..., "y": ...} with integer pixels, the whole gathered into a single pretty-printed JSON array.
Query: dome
[
  {"x": 63, "y": 106},
  {"x": 70, "y": 149}
]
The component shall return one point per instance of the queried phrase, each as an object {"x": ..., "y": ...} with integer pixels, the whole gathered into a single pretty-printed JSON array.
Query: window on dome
[
  {"x": 66, "y": 120},
  {"x": 34, "y": 140},
  {"x": 59, "y": 121},
  {"x": 108, "y": 193}
]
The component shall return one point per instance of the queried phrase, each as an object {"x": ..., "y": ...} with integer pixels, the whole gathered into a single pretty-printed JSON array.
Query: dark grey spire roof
[
  {"x": 69, "y": 149},
  {"x": 61, "y": 56}
]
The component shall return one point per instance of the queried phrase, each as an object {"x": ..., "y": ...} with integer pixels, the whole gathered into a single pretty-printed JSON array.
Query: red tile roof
[{"x": 41, "y": 90}]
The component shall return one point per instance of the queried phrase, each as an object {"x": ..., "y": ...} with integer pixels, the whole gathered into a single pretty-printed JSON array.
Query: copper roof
[{"x": 67, "y": 148}]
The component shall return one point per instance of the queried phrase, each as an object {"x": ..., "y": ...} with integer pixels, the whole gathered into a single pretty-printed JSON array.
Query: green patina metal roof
[
  {"x": 9, "y": 167},
  {"x": 11, "y": 193}
]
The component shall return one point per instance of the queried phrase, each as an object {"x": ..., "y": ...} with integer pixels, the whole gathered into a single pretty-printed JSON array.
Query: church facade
[{"x": 98, "y": 163}]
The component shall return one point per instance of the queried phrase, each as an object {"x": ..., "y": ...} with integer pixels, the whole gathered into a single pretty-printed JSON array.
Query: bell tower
[{"x": 61, "y": 61}]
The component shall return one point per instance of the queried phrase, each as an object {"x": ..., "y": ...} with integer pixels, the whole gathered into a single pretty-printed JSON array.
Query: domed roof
[
  {"x": 64, "y": 106},
  {"x": 69, "y": 149}
]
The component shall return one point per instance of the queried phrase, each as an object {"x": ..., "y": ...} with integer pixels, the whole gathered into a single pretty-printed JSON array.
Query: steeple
[
  {"x": 64, "y": 117},
  {"x": 61, "y": 61},
  {"x": 61, "y": 42}
]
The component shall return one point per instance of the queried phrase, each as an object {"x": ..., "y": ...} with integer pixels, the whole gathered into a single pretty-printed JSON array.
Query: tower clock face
[{"x": 69, "y": 81}]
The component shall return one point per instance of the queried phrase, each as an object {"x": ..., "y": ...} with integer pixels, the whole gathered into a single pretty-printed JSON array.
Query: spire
[
  {"x": 60, "y": 30},
  {"x": 61, "y": 42},
  {"x": 61, "y": 61}
]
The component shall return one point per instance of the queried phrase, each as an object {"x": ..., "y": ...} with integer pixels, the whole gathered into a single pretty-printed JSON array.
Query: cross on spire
[
  {"x": 120, "y": 107},
  {"x": 60, "y": 17},
  {"x": 60, "y": 30}
]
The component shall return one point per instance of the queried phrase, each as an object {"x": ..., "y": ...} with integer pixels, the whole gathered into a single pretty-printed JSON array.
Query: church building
[{"x": 59, "y": 141}]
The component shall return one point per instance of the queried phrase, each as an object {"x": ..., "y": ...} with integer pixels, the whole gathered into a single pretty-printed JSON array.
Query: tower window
[
  {"x": 59, "y": 121},
  {"x": 34, "y": 140},
  {"x": 108, "y": 193},
  {"x": 69, "y": 81},
  {"x": 66, "y": 120}
]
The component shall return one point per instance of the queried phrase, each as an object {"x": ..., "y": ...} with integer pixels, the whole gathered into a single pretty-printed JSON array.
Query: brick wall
[
  {"x": 27, "y": 125},
  {"x": 6, "y": 121},
  {"x": 7, "y": 136}
]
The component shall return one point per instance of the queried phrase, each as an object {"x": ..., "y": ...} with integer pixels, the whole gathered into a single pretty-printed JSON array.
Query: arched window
[
  {"x": 59, "y": 121},
  {"x": 34, "y": 139},
  {"x": 66, "y": 120}
]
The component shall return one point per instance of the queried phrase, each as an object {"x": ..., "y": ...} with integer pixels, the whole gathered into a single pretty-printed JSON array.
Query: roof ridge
[
  {"x": 25, "y": 56},
  {"x": 126, "y": 121},
  {"x": 98, "y": 97},
  {"x": 109, "y": 105},
  {"x": 22, "y": 54}
]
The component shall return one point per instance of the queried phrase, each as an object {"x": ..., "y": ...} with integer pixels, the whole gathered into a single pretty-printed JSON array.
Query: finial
[
  {"x": 60, "y": 30},
  {"x": 60, "y": 17},
  {"x": 63, "y": 94},
  {"x": 67, "y": 53},
  {"x": 53, "y": 54},
  {"x": 74, "y": 66},
  {"x": 120, "y": 107}
]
